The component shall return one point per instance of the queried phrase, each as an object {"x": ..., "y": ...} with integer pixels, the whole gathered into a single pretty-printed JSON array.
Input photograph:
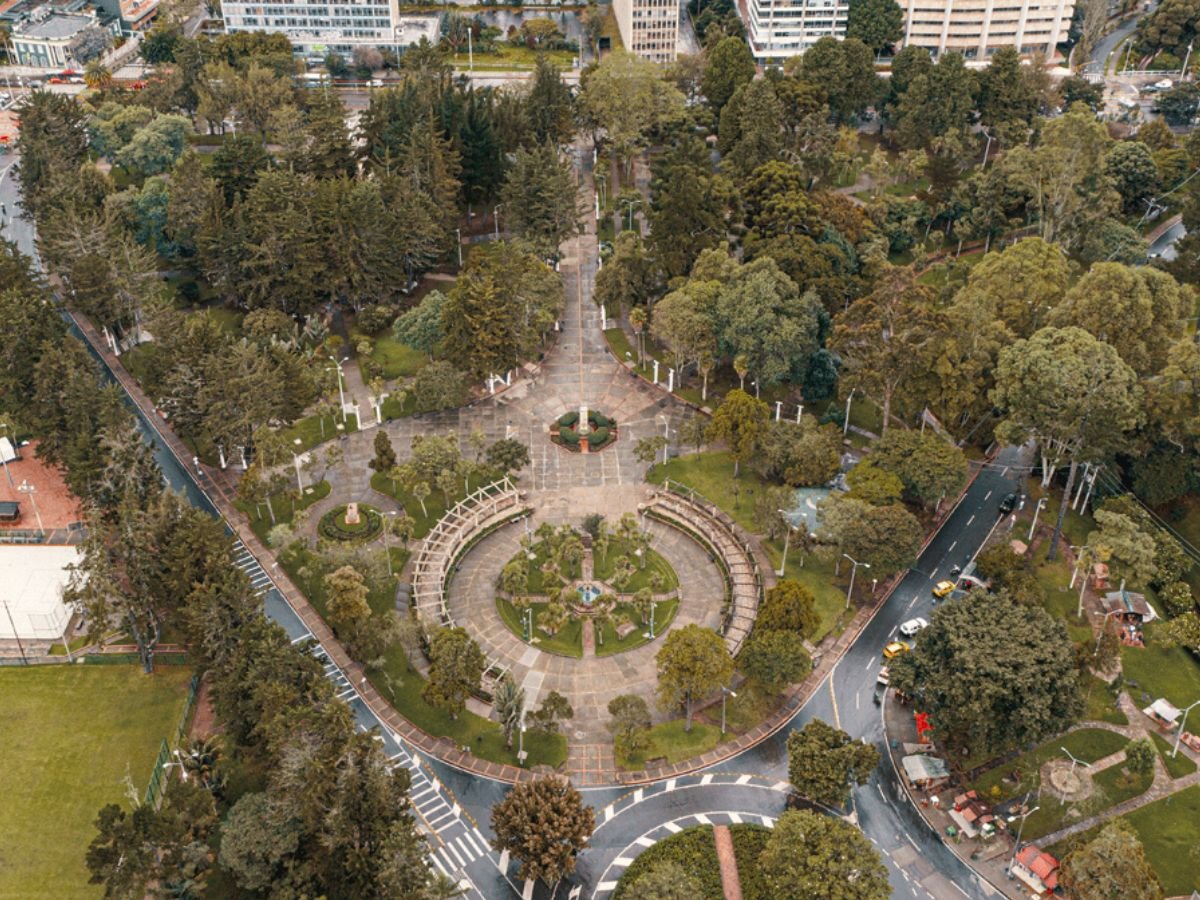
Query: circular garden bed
[
  {"x": 602, "y": 431},
  {"x": 333, "y": 524},
  {"x": 694, "y": 851}
]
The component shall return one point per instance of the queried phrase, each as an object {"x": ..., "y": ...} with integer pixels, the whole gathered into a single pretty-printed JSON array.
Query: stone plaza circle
[{"x": 454, "y": 583}]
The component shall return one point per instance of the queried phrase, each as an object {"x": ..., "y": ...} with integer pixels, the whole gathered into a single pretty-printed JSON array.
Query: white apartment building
[
  {"x": 324, "y": 26},
  {"x": 978, "y": 28},
  {"x": 779, "y": 29},
  {"x": 649, "y": 28}
]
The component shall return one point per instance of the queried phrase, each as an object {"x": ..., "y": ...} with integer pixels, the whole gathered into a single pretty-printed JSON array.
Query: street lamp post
[
  {"x": 846, "y": 423},
  {"x": 1179, "y": 733},
  {"x": 855, "y": 563},
  {"x": 1074, "y": 762},
  {"x": 1017, "y": 845},
  {"x": 26, "y": 488},
  {"x": 458, "y": 231},
  {"x": 725, "y": 693},
  {"x": 1033, "y": 525},
  {"x": 527, "y": 620},
  {"x": 296, "y": 459},
  {"x": 341, "y": 391},
  {"x": 666, "y": 434},
  {"x": 787, "y": 537},
  {"x": 496, "y": 221}
]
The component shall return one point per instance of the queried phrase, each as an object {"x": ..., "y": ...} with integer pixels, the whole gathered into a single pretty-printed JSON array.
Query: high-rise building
[
  {"x": 649, "y": 28},
  {"x": 779, "y": 29},
  {"x": 322, "y": 26},
  {"x": 978, "y": 28}
]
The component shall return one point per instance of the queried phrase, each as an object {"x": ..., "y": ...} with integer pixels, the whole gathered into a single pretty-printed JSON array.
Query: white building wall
[
  {"x": 780, "y": 29},
  {"x": 649, "y": 28},
  {"x": 978, "y": 28},
  {"x": 338, "y": 25}
]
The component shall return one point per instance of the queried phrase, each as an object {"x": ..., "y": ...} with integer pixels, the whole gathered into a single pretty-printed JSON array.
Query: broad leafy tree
[
  {"x": 823, "y": 762},
  {"x": 692, "y": 663},
  {"x": 1069, "y": 392},
  {"x": 774, "y": 658},
  {"x": 877, "y": 23},
  {"x": 811, "y": 855},
  {"x": 730, "y": 66},
  {"x": 992, "y": 674},
  {"x": 930, "y": 467},
  {"x": 1111, "y": 866},
  {"x": 740, "y": 421},
  {"x": 455, "y": 666},
  {"x": 543, "y": 824}
]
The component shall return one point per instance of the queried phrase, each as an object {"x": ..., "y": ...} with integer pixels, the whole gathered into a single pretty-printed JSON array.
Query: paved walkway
[
  {"x": 731, "y": 885},
  {"x": 588, "y": 683}
]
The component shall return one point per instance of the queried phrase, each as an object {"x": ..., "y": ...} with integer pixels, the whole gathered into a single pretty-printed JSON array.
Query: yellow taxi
[
  {"x": 895, "y": 648},
  {"x": 944, "y": 589}
]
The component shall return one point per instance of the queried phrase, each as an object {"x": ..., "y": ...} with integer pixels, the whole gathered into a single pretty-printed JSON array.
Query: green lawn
[
  {"x": 260, "y": 515},
  {"x": 670, "y": 742},
  {"x": 314, "y": 430},
  {"x": 510, "y": 57},
  {"x": 394, "y": 359},
  {"x": 664, "y": 615},
  {"x": 1102, "y": 705},
  {"x": 1177, "y": 766},
  {"x": 1160, "y": 670},
  {"x": 1170, "y": 831},
  {"x": 1119, "y": 785},
  {"x": 402, "y": 685},
  {"x": 654, "y": 562},
  {"x": 711, "y": 475},
  {"x": 567, "y": 641},
  {"x": 1087, "y": 745},
  {"x": 749, "y": 708},
  {"x": 71, "y": 735},
  {"x": 424, "y": 518}
]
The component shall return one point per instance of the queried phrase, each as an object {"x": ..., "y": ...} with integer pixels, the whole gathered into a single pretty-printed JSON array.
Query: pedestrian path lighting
[
  {"x": 725, "y": 692},
  {"x": 1017, "y": 845},
  {"x": 786, "y": 540},
  {"x": 527, "y": 620},
  {"x": 341, "y": 391},
  {"x": 26, "y": 488},
  {"x": 853, "y": 571},
  {"x": 1179, "y": 733}
]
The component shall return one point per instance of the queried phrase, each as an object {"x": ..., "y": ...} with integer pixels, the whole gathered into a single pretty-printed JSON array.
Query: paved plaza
[{"x": 589, "y": 683}]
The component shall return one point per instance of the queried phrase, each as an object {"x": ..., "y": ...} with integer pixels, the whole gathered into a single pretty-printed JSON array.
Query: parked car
[
  {"x": 944, "y": 589},
  {"x": 1009, "y": 503},
  {"x": 896, "y": 648},
  {"x": 912, "y": 626}
]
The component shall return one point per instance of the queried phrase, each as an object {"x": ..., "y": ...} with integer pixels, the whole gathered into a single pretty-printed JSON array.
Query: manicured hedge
[
  {"x": 598, "y": 438},
  {"x": 599, "y": 420},
  {"x": 693, "y": 850},
  {"x": 568, "y": 436},
  {"x": 569, "y": 420},
  {"x": 333, "y": 527}
]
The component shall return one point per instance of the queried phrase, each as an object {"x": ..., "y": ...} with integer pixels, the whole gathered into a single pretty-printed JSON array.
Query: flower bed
[
  {"x": 602, "y": 431},
  {"x": 333, "y": 524}
]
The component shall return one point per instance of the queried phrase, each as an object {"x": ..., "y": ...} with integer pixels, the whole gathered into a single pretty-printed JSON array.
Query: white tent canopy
[{"x": 32, "y": 578}]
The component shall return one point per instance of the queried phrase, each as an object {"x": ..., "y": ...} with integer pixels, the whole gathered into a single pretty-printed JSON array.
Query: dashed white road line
[
  {"x": 987, "y": 496},
  {"x": 972, "y": 519}
]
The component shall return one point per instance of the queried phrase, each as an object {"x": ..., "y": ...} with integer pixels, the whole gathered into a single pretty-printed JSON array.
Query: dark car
[{"x": 1009, "y": 503}]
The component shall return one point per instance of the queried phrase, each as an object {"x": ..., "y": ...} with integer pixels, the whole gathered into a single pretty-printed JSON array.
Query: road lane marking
[
  {"x": 837, "y": 720},
  {"x": 972, "y": 519},
  {"x": 856, "y": 697},
  {"x": 911, "y": 604},
  {"x": 952, "y": 546},
  {"x": 870, "y": 662},
  {"x": 987, "y": 496},
  {"x": 672, "y": 827}
]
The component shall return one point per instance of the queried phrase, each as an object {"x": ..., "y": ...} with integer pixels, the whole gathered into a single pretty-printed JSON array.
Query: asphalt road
[
  {"x": 1107, "y": 44},
  {"x": 919, "y": 864}
]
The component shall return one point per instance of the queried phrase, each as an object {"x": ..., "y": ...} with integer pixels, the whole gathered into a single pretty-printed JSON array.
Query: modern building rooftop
[{"x": 56, "y": 27}]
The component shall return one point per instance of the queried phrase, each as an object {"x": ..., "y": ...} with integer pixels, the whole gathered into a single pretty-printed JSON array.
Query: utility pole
[{"x": 853, "y": 572}]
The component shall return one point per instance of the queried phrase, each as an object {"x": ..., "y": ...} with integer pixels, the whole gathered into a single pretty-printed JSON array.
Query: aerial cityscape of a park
[{"x": 636, "y": 451}]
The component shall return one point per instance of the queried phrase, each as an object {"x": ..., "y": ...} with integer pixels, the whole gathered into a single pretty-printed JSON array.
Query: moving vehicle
[
  {"x": 1009, "y": 503},
  {"x": 896, "y": 648},
  {"x": 944, "y": 589},
  {"x": 881, "y": 686},
  {"x": 912, "y": 626}
]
